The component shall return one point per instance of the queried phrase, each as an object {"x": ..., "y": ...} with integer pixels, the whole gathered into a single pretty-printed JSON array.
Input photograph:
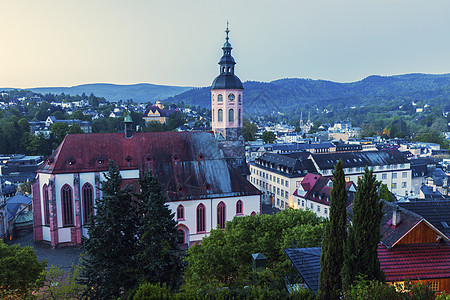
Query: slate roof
[
  {"x": 437, "y": 212},
  {"x": 327, "y": 161},
  {"x": 13, "y": 204},
  {"x": 415, "y": 261},
  {"x": 188, "y": 164},
  {"x": 307, "y": 263},
  {"x": 298, "y": 165}
]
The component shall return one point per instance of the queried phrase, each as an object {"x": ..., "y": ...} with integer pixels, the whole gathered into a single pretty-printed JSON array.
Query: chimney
[{"x": 396, "y": 216}]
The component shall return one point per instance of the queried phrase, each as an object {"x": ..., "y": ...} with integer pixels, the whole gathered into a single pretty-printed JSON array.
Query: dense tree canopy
[{"x": 224, "y": 257}]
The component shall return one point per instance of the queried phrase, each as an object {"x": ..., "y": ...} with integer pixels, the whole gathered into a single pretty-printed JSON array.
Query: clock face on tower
[{"x": 231, "y": 97}]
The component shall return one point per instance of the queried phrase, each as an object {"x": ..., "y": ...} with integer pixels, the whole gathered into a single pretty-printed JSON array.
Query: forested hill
[
  {"x": 294, "y": 95},
  {"x": 142, "y": 92}
]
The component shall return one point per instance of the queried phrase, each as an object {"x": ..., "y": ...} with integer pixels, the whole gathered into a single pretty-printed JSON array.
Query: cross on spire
[{"x": 227, "y": 31}]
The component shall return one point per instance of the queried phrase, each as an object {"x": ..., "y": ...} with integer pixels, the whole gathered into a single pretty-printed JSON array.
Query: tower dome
[{"x": 226, "y": 78}]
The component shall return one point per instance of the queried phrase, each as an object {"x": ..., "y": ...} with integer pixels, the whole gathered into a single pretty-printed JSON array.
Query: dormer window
[
  {"x": 71, "y": 161},
  {"x": 128, "y": 159},
  {"x": 175, "y": 157},
  {"x": 200, "y": 156}
]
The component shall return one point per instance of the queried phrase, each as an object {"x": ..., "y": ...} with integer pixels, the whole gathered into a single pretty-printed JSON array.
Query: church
[{"x": 201, "y": 172}]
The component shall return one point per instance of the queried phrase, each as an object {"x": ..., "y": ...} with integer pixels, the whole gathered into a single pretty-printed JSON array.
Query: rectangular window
[
  {"x": 298, "y": 202},
  {"x": 278, "y": 179},
  {"x": 278, "y": 191},
  {"x": 287, "y": 183},
  {"x": 394, "y": 185},
  {"x": 404, "y": 174},
  {"x": 318, "y": 208},
  {"x": 282, "y": 193},
  {"x": 394, "y": 175},
  {"x": 278, "y": 201},
  {"x": 282, "y": 181},
  {"x": 270, "y": 177},
  {"x": 384, "y": 176},
  {"x": 404, "y": 184},
  {"x": 312, "y": 206},
  {"x": 325, "y": 210},
  {"x": 434, "y": 285}
]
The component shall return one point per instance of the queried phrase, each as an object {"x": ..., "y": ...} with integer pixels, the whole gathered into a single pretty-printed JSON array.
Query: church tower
[{"x": 227, "y": 98}]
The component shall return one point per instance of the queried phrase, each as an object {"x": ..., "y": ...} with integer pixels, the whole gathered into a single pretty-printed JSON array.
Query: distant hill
[
  {"x": 142, "y": 92},
  {"x": 294, "y": 94}
]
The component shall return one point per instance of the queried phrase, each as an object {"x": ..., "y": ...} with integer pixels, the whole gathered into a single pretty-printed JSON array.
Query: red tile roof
[
  {"x": 188, "y": 164},
  {"x": 415, "y": 261}
]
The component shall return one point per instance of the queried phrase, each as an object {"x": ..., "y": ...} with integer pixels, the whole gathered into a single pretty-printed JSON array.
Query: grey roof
[
  {"x": 13, "y": 204},
  {"x": 290, "y": 166},
  {"x": 327, "y": 161},
  {"x": 307, "y": 262},
  {"x": 227, "y": 81},
  {"x": 437, "y": 212}
]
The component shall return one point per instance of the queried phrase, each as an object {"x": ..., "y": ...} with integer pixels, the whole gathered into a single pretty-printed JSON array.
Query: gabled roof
[
  {"x": 437, "y": 212},
  {"x": 13, "y": 205},
  {"x": 188, "y": 164},
  {"x": 415, "y": 261},
  {"x": 162, "y": 112},
  {"x": 307, "y": 263}
]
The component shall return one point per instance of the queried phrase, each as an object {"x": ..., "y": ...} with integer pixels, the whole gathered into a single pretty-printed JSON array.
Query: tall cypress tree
[
  {"x": 110, "y": 252},
  {"x": 331, "y": 261},
  {"x": 360, "y": 251},
  {"x": 160, "y": 259}
]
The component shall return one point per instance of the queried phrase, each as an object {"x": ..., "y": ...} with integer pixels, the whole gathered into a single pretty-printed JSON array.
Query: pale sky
[{"x": 178, "y": 42}]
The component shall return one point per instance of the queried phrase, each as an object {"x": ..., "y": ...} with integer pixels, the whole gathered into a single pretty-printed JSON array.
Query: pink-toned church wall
[{"x": 37, "y": 212}]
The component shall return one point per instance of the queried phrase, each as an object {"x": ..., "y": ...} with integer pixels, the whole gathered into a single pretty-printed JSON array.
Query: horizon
[{"x": 62, "y": 44}]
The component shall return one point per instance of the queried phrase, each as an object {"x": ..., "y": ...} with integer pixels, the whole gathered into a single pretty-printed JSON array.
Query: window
[
  {"x": 325, "y": 210},
  {"x": 384, "y": 176},
  {"x": 220, "y": 115},
  {"x": 394, "y": 185},
  {"x": 278, "y": 201},
  {"x": 239, "y": 205},
  {"x": 221, "y": 215},
  {"x": 239, "y": 98},
  {"x": 253, "y": 213},
  {"x": 180, "y": 237},
  {"x": 88, "y": 202},
  {"x": 67, "y": 206},
  {"x": 239, "y": 115},
  {"x": 201, "y": 218},
  {"x": 404, "y": 184},
  {"x": 270, "y": 177},
  {"x": 394, "y": 175},
  {"x": 298, "y": 202},
  {"x": 318, "y": 208},
  {"x": 220, "y": 98},
  {"x": 312, "y": 206},
  {"x": 303, "y": 203},
  {"x": 404, "y": 174},
  {"x": 282, "y": 181},
  {"x": 278, "y": 191},
  {"x": 287, "y": 183},
  {"x": 180, "y": 212},
  {"x": 434, "y": 285},
  {"x": 278, "y": 179},
  {"x": 46, "y": 205},
  {"x": 282, "y": 193},
  {"x": 231, "y": 115}
]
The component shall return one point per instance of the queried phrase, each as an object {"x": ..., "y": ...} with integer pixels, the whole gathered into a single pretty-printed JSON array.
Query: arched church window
[
  {"x": 231, "y": 115},
  {"x": 220, "y": 115},
  {"x": 221, "y": 217},
  {"x": 220, "y": 98},
  {"x": 201, "y": 218},
  {"x": 88, "y": 202},
  {"x": 229, "y": 69},
  {"x": 239, "y": 117},
  {"x": 46, "y": 205},
  {"x": 67, "y": 205},
  {"x": 239, "y": 209},
  {"x": 180, "y": 212},
  {"x": 239, "y": 98}
]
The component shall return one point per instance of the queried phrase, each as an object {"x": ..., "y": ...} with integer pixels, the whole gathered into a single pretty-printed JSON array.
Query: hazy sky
[{"x": 178, "y": 42}]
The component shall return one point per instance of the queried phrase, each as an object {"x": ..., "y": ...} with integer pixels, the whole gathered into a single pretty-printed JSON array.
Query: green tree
[
  {"x": 59, "y": 131},
  {"x": 330, "y": 281},
  {"x": 74, "y": 128},
  {"x": 176, "y": 120},
  {"x": 385, "y": 194},
  {"x": 360, "y": 251},
  {"x": 268, "y": 137},
  {"x": 109, "y": 267},
  {"x": 21, "y": 273},
  {"x": 24, "y": 188},
  {"x": 248, "y": 130},
  {"x": 224, "y": 257},
  {"x": 160, "y": 259},
  {"x": 60, "y": 284}
]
